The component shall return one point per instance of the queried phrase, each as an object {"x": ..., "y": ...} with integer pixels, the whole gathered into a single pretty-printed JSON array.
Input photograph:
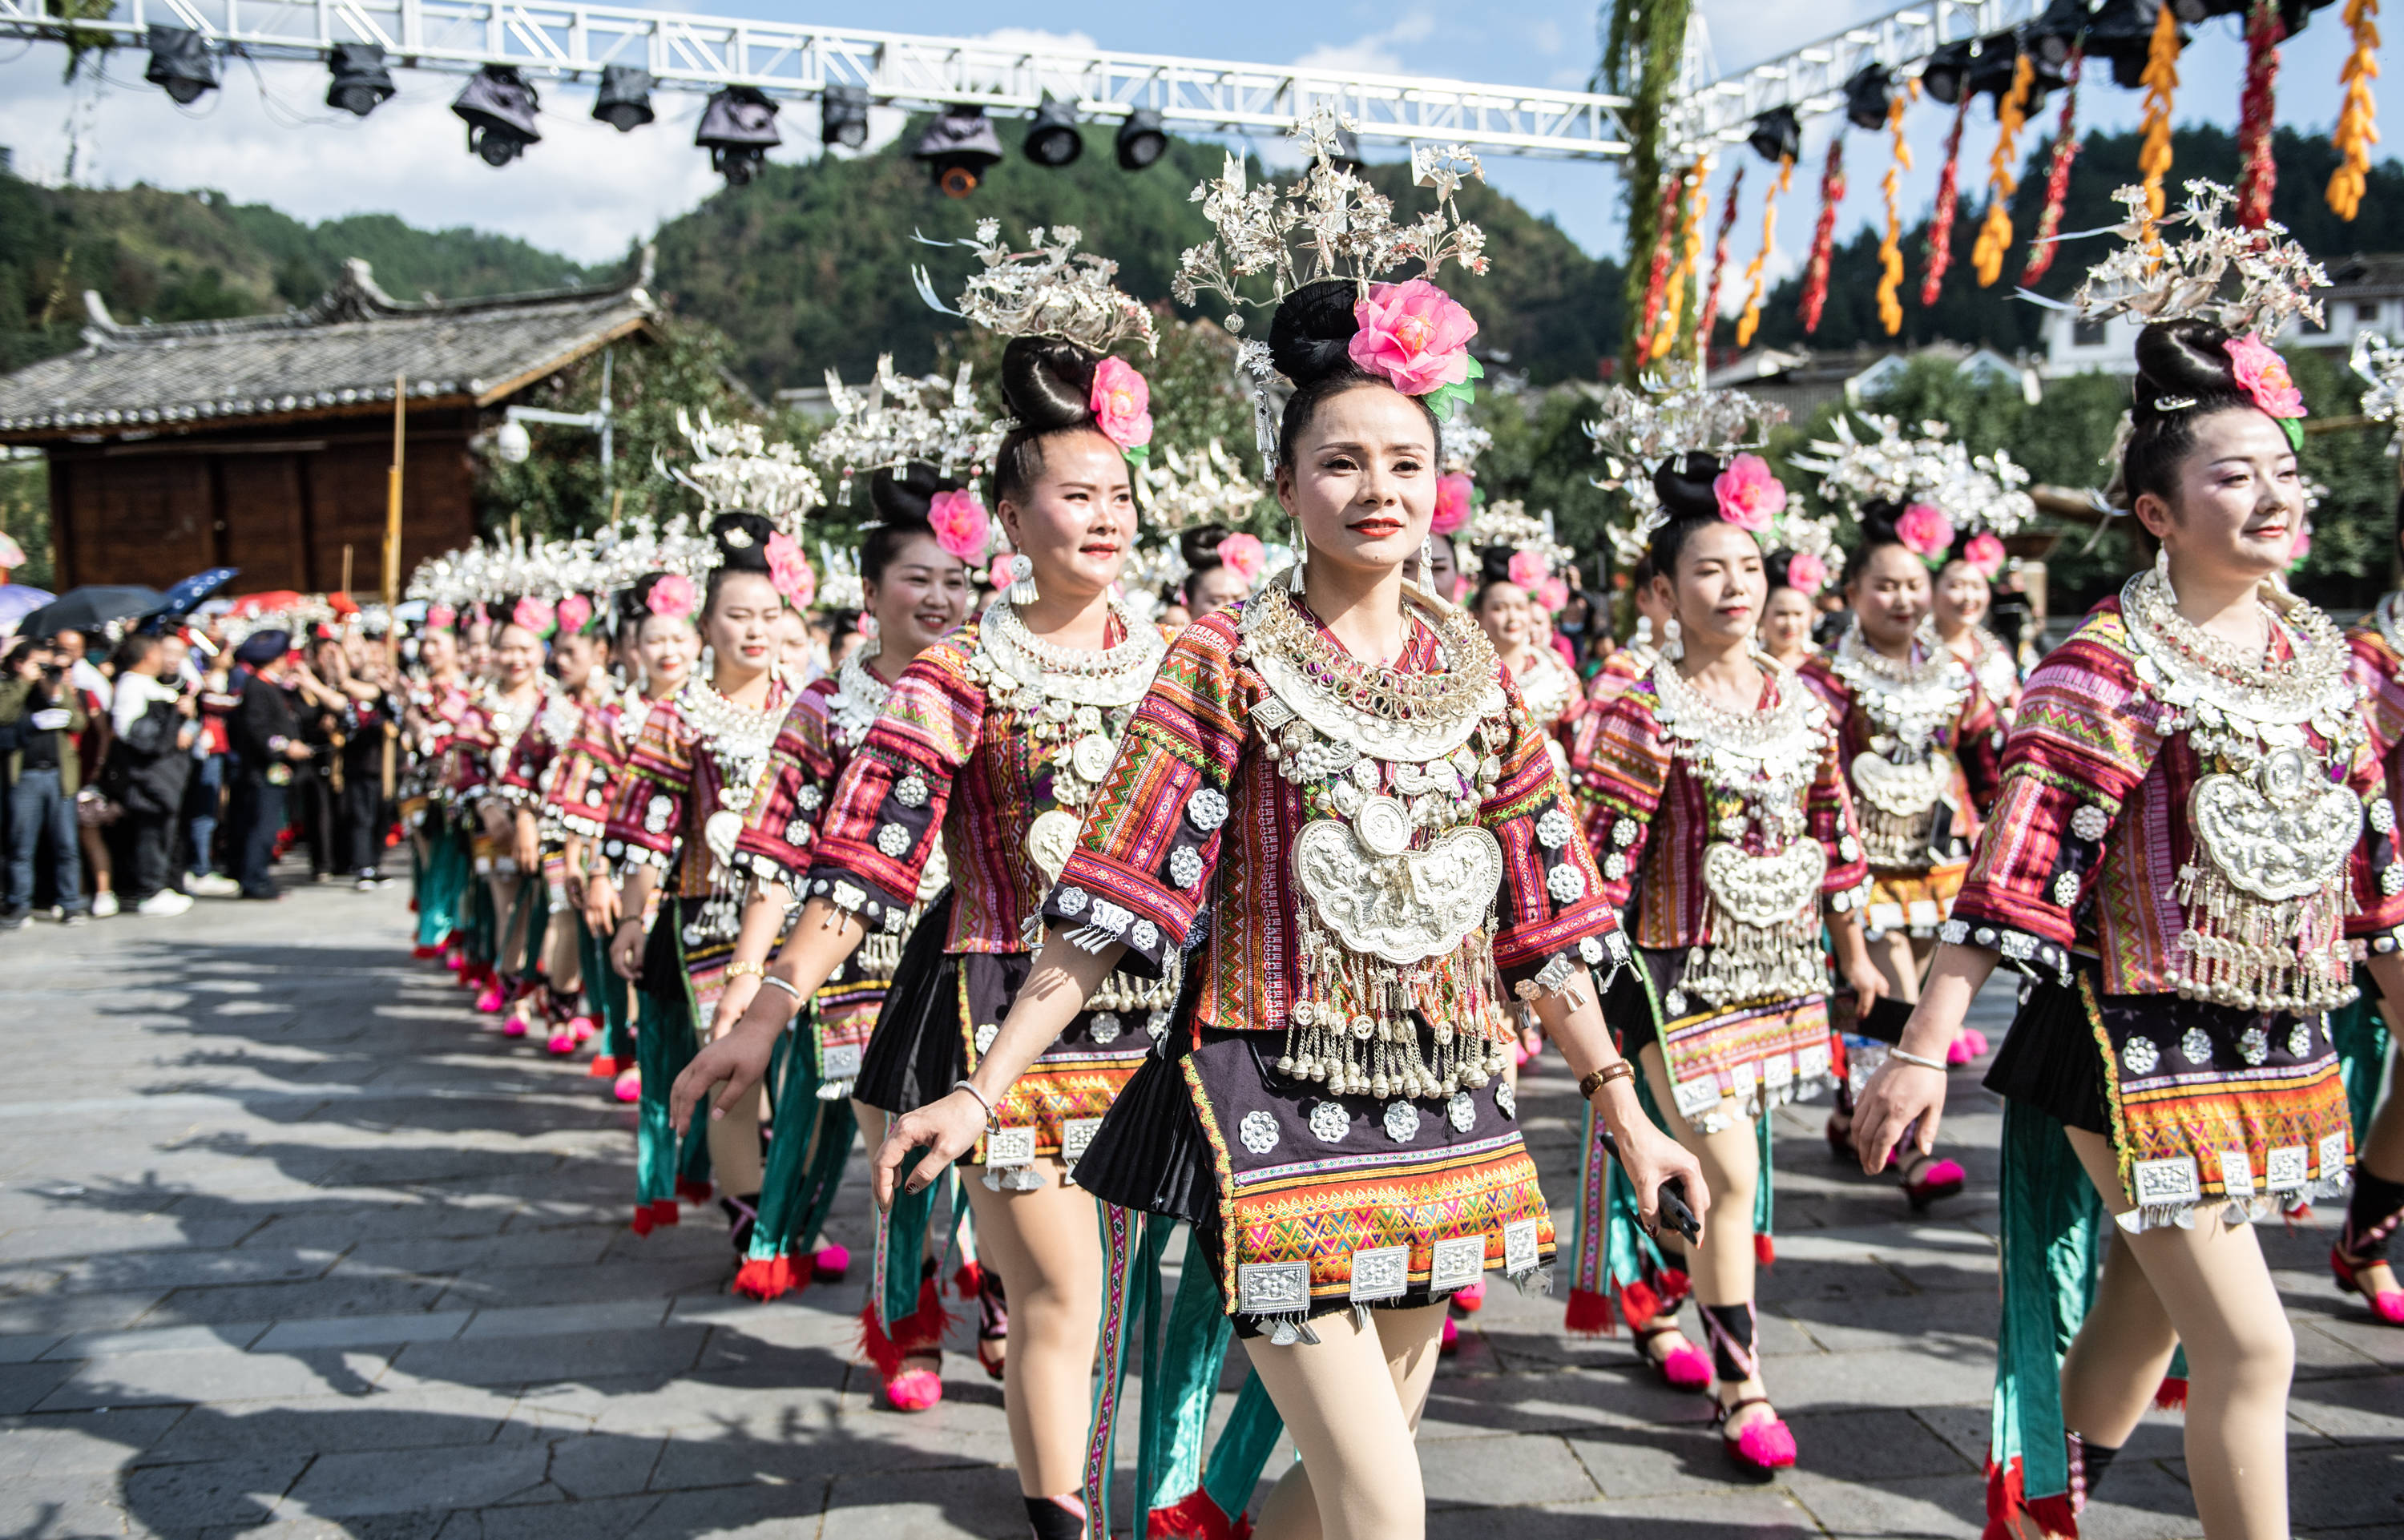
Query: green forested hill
[{"x": 195, "y": 256}]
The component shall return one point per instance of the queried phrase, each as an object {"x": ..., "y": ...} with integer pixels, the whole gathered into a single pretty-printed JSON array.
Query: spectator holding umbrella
[
  {"x": 150, "y": 758},
  {"x": 267, "y": 745},
  {"x": 47, "y": 716}
]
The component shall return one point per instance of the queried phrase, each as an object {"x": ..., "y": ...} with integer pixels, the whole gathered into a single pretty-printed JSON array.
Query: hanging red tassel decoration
[
  {"x": 2057, "y": 180},
  {"x": 2260, "y": 174},
  {"x": 1708, "y": 316},
  {"x": 1657, "y": 284},
  {"x": 1824, "y": 238},
  {"x": 1948, "y": 197}
]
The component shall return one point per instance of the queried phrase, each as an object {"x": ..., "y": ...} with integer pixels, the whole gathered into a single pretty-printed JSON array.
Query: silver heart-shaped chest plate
[
  {"x": 2276, "y": 849},
  {"x": 1405, "y": 908},
  {"x": 1903, "y": 790},
  {"x": 1764, "y": 890}
]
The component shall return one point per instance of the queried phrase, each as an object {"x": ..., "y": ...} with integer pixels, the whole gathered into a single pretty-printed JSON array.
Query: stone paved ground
[{"x": 290, "y": 1246}]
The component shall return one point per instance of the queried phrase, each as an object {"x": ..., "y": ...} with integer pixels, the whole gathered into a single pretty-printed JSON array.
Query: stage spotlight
[
  {"x": 843, "y": 117},
  {"x": 2122, "y": 31},
  {"x": 1141, "y": 140},
  {"x": 360, "y": 83},
  {"x": 625, "y": 99},
  {"x": 1868, "y": 95},
  {"x": 1947, "y": 70},
  {"x": 180, "y": 64},
  {"x": 2050, "y": 37},
  {"x": 959, "y": 147},
  {"x": 738, "y": 128},
  {"x": 499, "y": 109},
  {"x": 1776, "y": 136},
  {"x": 1054, "y": 140}
]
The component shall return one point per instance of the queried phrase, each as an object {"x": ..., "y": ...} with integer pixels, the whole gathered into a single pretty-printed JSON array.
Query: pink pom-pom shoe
[
  {"x": 1938, "y": 1179},
  {"x": 829, "y": 1263},
  {"x": 1684, "y": 1367},
  {"x": 1759, "y": 1446},
  {"x": 628, "y": 1085},
  {"x": 913, "y": 1390},
  {"x": 2387, "y": 1304}
]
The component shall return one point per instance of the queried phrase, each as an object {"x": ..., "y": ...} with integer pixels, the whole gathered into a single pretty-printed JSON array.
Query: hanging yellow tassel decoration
[
  {"x": 1690, "y": 252},
  {"x": 2357, "y": 127},
  {"x": 2161, "y": 81},
  {"x": 1890, "y": 288},
  {"x": 1750, "y": 321},
  {"x": 1996, "y": 232}
]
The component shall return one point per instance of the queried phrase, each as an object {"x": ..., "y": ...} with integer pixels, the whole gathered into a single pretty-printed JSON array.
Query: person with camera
[
  {"x": 45, "y": 715},
  {"x": 267, "y": 745},
  {"x": 154, "y": 721}
]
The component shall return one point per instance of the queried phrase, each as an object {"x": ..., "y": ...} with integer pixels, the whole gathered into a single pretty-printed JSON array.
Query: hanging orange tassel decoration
[
  {"x": 2057, "y": 180},
  {"x": 1708, "y": 316},
  {"x": 2357, "y": 118},
  {"x": 1890, "y": 288},
  {"x": 1750, "y": 319},
  {"x": 1690, "y": 252},
  {"x": 2161, "y": 81},
  {"x": 1949, "y": 198},
  {"x": 1823, "y": 237},
  {"x": 1657, "y": 282},
  {"x": 1996, "y": 230},
  {"x": 2258, "y": 174}
]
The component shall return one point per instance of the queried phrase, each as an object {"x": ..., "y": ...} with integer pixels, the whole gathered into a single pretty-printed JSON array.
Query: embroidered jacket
[
  {"x": 1974, "y": 738},
  {"x": 2379, "y": 668},
  {"x": 534, "y": 758},
  {"x": 2092, "y": 829},
  {"x": 580, "y": 790},
  {"x": 1650, "y": 818},
  {"x": 481, "y": 749},
  {"x": 801, "y": 771},
  {"x": 667, "y": 791},
  {"x": 1194, "y": 813}
]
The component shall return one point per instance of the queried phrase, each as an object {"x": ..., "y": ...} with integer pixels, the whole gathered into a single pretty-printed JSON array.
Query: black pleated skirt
[
  {"x": 915, "y": 1053},
  {"x": 2049, "y": 1062}
]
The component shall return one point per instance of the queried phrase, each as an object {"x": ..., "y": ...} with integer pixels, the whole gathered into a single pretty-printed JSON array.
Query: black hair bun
[
  {"x": 907, "y": 496},
  {"x": 1310, "y": 338},
  {"x": 1774, "y": 567},
  {"x": 1878, "y": 518},
  {"x": 504, "y": 611},
  {"x": 1199, "y": 546},
  {"x": 2184, "y": 361},
  {"x": 1494, "y": 565},
  {"x": 1683, "y": 485},
  {"x": 742, "y": 541},
  {"x": 634, "y": 600},
  {"x": 1048, "y": 383}
]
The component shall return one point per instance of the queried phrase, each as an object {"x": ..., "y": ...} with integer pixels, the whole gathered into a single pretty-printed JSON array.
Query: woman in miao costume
[
  {"x": 698, "y": 766},
  {"x": 437, "y": 697},
  {"x": 1518, "y": 562},
  {"x": 1960, "y": 599},
  {"x": 2359, "y": 1257},
  {"x": 1721, "y": 819},
  {"x": 1918, "y": 739},
  {"x": 990, "y": 746},
  {"x": 1331, "y": 797},
  {"x": 925, "y": 536},
  {"x": 1793, "y": 607},
  {"x": 500, "y": 714},
  {"x": 658, "y": 647},
  {"x": 2193, "y": 835}
]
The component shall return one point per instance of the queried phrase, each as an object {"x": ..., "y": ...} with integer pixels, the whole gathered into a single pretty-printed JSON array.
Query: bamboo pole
[{"x": 391, "y": 562}]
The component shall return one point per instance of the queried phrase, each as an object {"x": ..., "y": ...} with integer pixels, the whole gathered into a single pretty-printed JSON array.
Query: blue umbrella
[{"x": 188, "y": 594}]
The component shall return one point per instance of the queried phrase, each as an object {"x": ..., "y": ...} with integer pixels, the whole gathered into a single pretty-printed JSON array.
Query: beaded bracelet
[{"x": 746, "y": 969}]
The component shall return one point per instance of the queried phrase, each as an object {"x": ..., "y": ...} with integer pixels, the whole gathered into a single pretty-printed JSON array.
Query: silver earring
[
  {"x": 1673, "y": 641},
  {"x": 1301, "y": 554},
  {"x": 1022, "y": 580},
  {"x": 1426, "y": 564},
  {"x": 2162, "y": 572}
]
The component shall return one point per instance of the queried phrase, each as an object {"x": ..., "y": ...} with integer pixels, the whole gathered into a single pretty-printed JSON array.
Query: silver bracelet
[
  {"x": 1936, "y": 1064},
  {"x": 992, "y": 1115},
  {"x": 773, "y": 982}
]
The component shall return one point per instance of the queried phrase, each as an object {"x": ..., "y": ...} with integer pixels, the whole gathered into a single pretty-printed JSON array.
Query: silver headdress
[
  {"x": 1055, "y": 290},
  {"x": 1459, "y": 442},
  {"x": 1638, "y": 429},
  {"x": 1204, "y": 487},
  {"x": 734, "y": 467},
  {"x": 2380, "y": 364},
  {"x": 2154, "y": 281},
  {"x": 897, "y": 421},
  {"x": 840, "y": 588},
  {"x": 1506, "y": 524},
  {"x": 1976, "y": 492},
  {"x": 1331, "y": 223}
]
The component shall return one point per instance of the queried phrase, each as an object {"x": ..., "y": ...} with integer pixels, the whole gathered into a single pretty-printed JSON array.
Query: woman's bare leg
[
  {"x": 1352, "y": 1403},
  {"x": 1047, "y": 1246},
  {"x": 2215, "y": 1290}
]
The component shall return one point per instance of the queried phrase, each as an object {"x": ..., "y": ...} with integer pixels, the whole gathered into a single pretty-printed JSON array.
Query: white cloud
[{"x": 1372, "y": 53}]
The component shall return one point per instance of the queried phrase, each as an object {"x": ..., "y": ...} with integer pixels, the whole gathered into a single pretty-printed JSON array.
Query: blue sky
[{"x": 587, "y": 191}]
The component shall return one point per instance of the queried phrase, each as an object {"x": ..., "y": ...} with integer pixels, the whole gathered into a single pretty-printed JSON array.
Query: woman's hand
[
  {"x": 947, "y": 1129},
  {"x": 601, "y": 903},
  {"x": 732, "y": 1001},
  {"x": 626, "y": 947},
  {"x": 1651, "y": 1158},
  {"x": 1868, "y": 984},
  {"x": 526, "y": 843},
  {"x": 738, "y": 1061},
  {"x": 1899, "y": 1096}
]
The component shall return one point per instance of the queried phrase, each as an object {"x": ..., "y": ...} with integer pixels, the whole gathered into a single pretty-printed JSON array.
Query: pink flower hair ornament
[
  {"x": 535, "y": 615},
  {"x": 1416, "y": 337},
  {"x": 1553, "y": 595},
  {"x": 1527, "y": 570},
  {"x": 671, "y": 597},
  {"x": 790, "y": 571},
  {"x": 1748, "y": 494},
  {"x": 2262, "y": 374},
  {"x": 1806, "y": 573},
  {"x": 1986, "y": 553},
  {"x": 440, "y": 616},
  {"x": 1245, "y": 557},
  {"x": 1455, "y": 495},
  {"x": 574, "y": 614},
  {"x": 1924, "y": 531},
  {"x": 961, "y": 524},
  {"x": 1121, "y": 403}
]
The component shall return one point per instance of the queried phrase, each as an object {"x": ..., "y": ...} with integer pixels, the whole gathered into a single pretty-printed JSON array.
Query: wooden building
[{"x": 263, "y": 442}]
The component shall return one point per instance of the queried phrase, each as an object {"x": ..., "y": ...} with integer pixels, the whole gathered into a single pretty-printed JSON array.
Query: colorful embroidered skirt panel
[
  {"x": 1914, "y": 901},
  {"x": 1060, "y": 1099}
]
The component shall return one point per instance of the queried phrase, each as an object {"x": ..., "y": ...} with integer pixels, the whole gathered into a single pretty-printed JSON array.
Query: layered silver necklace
[
  {"x": 1902, "y": 775},
  {"x": 2272, "y": 817},
  {"x": 739, "y": 739},
  {"x": 1761, "y": 910},
  {"x": 858, "y": 698}
]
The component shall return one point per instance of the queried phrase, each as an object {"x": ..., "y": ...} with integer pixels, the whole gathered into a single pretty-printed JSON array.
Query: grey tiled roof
[{"x": 341, "y": 351}]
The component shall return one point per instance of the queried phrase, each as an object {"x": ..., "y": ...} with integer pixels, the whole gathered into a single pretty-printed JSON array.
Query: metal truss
[{"x": 691, "y": 52}]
